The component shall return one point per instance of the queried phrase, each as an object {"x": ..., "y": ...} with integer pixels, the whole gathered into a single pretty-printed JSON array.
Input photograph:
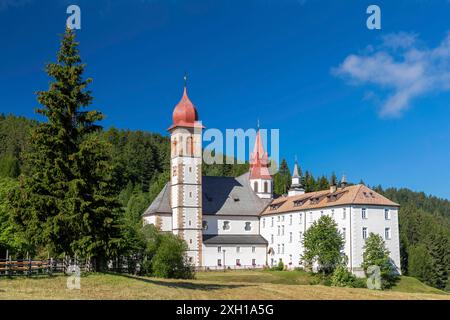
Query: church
[{"x": 236, "y": 222}]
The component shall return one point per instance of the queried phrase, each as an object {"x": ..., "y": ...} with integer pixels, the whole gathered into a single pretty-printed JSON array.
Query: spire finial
[
  {"x": 257, "y": 123},
  {"x": 185, "y": 79}
]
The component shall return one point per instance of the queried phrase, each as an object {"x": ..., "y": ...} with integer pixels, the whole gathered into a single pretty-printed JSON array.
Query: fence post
[{"x": 6, "y": 263}]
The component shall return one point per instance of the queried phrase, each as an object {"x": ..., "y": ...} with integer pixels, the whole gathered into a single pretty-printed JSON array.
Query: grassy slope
[{"x": 211, "y": 285}]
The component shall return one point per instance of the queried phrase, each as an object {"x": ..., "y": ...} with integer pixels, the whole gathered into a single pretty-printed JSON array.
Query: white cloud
[{"x": 404, "y": 67}]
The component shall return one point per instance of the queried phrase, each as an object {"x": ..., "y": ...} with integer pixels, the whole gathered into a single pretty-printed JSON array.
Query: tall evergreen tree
[
  {"x": 66, "y": 204},
  {"x": 282, "y": 179}
]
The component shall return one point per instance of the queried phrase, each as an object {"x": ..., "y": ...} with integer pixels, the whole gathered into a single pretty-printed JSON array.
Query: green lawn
[{"x": 208, "y": 285}]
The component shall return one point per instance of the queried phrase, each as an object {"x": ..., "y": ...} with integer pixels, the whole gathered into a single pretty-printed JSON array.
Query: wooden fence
[{"x": 28, "y": 267}]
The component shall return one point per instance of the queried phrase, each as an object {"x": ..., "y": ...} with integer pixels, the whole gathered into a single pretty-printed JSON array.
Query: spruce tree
[{"x": 65, "y": 204}]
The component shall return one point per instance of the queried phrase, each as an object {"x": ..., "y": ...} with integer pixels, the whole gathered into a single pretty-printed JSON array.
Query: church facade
[{"x": 235, "y": 221}]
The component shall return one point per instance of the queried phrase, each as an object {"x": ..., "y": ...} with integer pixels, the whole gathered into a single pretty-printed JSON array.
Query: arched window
[
  {"x": 255, "y": 186},
  {"x": 266, "y": 187},
  {"x": 189, "y": 146},
  {"x": 174, "y": 146}
]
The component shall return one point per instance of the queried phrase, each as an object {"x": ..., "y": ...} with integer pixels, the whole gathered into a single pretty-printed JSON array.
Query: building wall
[
  {"x": 236, "y": 223},
  {"x": 288, "y": 248},
  {"x": 229, "y": 254},
  {"x": 375, "y": 223},
  {"x": 161, "y": 221}
]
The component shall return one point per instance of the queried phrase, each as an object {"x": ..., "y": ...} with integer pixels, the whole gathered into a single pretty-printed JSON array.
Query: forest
[{"x": 93, "y": 184}]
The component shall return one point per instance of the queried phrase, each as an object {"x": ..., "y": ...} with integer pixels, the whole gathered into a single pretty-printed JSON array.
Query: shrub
[
  {"x": 343, "y": 278},
  {"x": 169, "y": 260}
]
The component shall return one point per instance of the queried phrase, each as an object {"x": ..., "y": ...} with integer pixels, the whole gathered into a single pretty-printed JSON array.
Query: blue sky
[{"x": 373, "y": 104}]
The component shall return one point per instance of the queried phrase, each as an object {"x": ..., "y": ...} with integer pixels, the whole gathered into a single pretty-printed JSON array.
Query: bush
[
  {"x": 278, "y": 267},
  {"x": 170, "y": 260},
  {"x": 343, "y": 278}
]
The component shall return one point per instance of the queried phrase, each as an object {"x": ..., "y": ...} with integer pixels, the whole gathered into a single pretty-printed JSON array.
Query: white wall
[
  {"x": 246, "y": 255},
  {"x": 375, "y": 223},
  {"x": 352, "y": 223},
  {"x": 237, "y": 224},
  {"x": 166, "y": 221}
]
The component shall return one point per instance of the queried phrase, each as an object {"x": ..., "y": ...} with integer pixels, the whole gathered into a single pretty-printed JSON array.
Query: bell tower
[
  {"x": 260, "y": 178},
  {"x": 186, "y": 177}
]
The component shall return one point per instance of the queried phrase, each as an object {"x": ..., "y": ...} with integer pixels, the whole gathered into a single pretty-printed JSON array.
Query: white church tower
[
  {"x": 296, "y": 185},
  {"x": 186, "y": 177},
  {"x": 260, "y": 178}
]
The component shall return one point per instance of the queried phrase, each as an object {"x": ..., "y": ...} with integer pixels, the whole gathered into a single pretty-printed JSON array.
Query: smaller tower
[
  {"x": 296, "y": 185},
  {"x": 343, "y": 181},
  {"x": 260, "y": 178}
]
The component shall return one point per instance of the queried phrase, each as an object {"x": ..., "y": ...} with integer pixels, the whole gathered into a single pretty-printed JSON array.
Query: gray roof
[
  {"x": 234, "y": 239},
  {"x": 221, "y": 196},
  {"x": 161, "y": 204}
]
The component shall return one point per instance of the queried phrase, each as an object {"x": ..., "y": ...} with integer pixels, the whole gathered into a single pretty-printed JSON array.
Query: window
[
  {"x": 321, "y": 213},
  {"x": 364, "y": 233},
  {"x": 364, "y": 213},
  {"x": 238, "y": 262},
  {"x": 189, "y": 222},
  {"x": 272, "y": 223},
  {"x": 271, "y": 238},
  {"x": 300, "y": 234},
  {"x": 189, "y": 146},
  {"x": 253, "y": 249},
  {"x": 238, "y": 249},
  {"x": 190, "y": 169},
  {"x": 282, "y": 230},
  {"x": 387, "y": 214},
  {"x": 226, "y": 225},
  {"x": 282, "y": 218},
  {"x": 278, "y": 251},
  {"x": 387, "y": 233},
  {"x": 332, "y": 213},
  {"x": 248, "y": 226},
  {"x": 264, "y": 222},
  {"x": 219, "y": 249},
  {"x": 278, "y": 219},
  {"x": 219, "y": 262},
  {"x": 290, "y": 219},
  {"x": 279, "y": 230},
  {"x": 344, "y": 213},
  {"x": 300, "y": 218},
  {"x": 253, "y": 262},
  {"x": 266, "y": 187},
  {"x": 311, "y": 218},
  {"x": 190, "y": 241},
  {"x": 205, "y": 225},
  {"x": 174, "y": 171},
  {"x": 290, "y": 237},
  {"x": 255, "y": 186},
  {"x": 282, "y": 248},
  {"x": 343, "y": 233}
]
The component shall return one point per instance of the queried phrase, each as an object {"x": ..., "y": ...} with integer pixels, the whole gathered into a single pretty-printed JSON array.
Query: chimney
[{"x": 332, "y": 188}]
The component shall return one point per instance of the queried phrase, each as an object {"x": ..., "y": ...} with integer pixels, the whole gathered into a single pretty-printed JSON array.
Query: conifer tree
[{"x": 66, "y": 204}]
